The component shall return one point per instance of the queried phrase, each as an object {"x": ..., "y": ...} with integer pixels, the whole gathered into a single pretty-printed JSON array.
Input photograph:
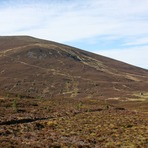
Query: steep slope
[{"x": 34, "y": 67}]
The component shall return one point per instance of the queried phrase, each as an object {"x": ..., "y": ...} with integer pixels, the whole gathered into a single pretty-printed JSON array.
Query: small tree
[
  {"x": 79, "y": 106},
  {"x": 14, "y": 105}
]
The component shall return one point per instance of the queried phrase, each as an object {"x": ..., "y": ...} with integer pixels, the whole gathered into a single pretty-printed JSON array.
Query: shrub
[{"x": 14, "y": 105}]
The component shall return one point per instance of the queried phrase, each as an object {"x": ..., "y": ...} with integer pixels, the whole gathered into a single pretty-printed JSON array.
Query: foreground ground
[{"x": 67, "y": 122}]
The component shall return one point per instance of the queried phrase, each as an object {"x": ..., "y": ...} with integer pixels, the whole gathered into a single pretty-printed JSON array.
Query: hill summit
[{"x": 33, "y": 67}]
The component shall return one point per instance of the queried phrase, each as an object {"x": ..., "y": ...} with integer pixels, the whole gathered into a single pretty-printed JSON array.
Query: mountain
[{"x": 31, "y": 67}]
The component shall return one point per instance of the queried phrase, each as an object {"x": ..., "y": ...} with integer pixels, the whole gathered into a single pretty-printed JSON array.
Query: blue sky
[{"x": 113, "y": 28}]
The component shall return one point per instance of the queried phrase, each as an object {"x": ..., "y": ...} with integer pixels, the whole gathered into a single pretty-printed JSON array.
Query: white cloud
[
  {"x": 136, "y": 55},
  {"x": 72, "y": 20},
  {"x": 139, "y": 41}
]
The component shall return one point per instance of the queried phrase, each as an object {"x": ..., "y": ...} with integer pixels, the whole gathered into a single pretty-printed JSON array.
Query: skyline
[{"x": 113, "y": 28}]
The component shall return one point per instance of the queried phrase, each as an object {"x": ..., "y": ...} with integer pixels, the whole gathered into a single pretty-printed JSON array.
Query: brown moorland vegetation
[{"x": 53, "y": 95}]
